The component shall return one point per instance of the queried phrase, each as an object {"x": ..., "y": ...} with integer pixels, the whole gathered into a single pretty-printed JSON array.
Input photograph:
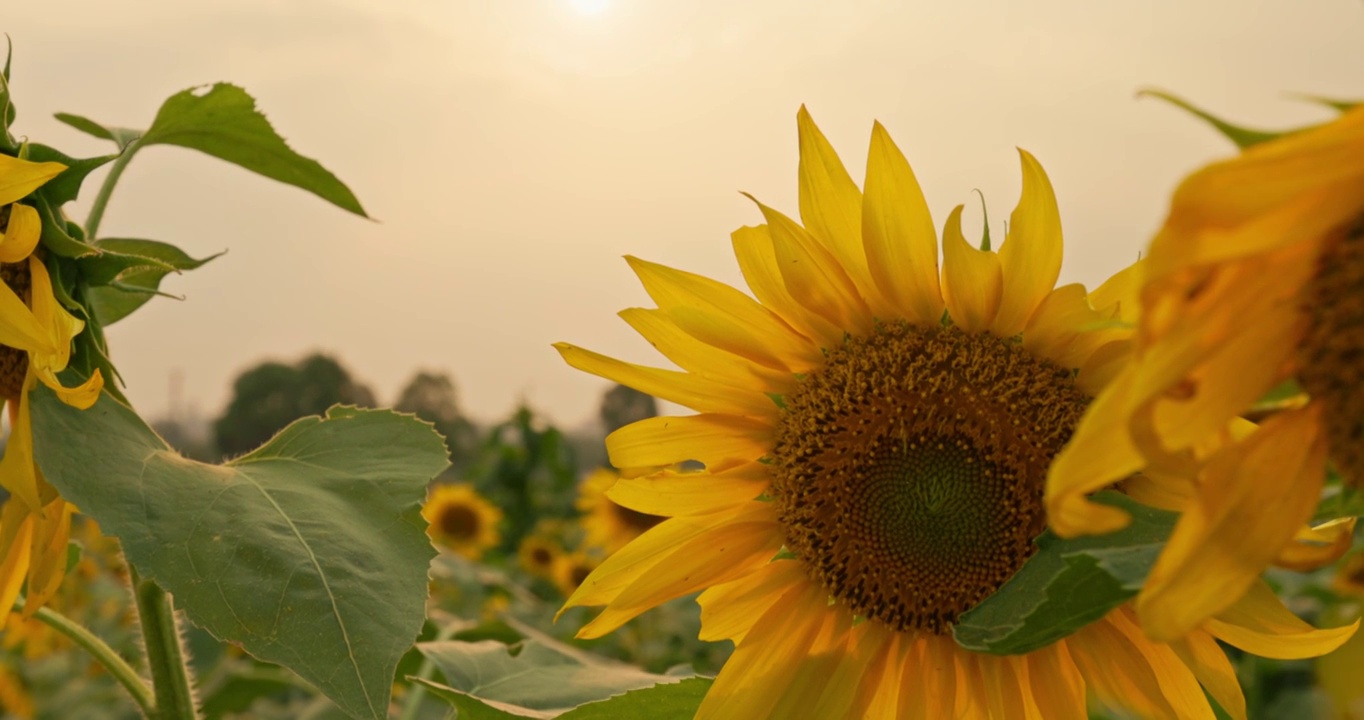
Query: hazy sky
[{"x": 514, "y": 150}]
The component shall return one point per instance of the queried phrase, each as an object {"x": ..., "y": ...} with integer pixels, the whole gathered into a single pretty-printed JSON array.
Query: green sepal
[
  {"x": 309, "y": 552},
  {"x": 90, "y": 352},
  {"x": 985, "y": 223},
  {"x": 1336, "y": 104},
  {"x": 123, "y": 137},
  {"x": 65, "y": 187},
  {"x": 55, "y": 237},
  {"x": 222, "y": 120},
  {"x": 7, "y": 143},
  {"x": 1243, "y": 137},
  {"x": 126, "y": 282},
  {"x": 1067, "y": 584}
]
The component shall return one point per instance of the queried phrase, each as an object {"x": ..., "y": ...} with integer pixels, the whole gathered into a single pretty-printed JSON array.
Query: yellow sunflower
[
  {"x": 35, "y": 344},
  {"x": 876, "y": 436},
  {"x": 538, "y": 555},
  {"x": 462, "y": 520},
  {"x": 606, "y": 524},
  {"x": 571, "y": 569},
  {"x": 1257, "y": 276}
]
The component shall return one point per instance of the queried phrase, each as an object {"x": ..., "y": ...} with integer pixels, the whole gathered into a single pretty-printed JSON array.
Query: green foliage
[
  {"x": 528, "y": 469},
  {"x": 433, "y": 398},
  {"x": 128, "y": 273},
  {"x": 272, "y": 395},
  {"x": 309, "y": 552},
  {"x": 65, "y": 187},
  {"x": 1068, "y": 584},
  {"x": 1243, "y": 137}
]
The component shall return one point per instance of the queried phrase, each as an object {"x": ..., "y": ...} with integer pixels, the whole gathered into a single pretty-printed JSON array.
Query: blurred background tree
[
  {"x": 271, "y": 395},
  {"x": 433, "y": 398},
  {"x": 622, "y": 405}
]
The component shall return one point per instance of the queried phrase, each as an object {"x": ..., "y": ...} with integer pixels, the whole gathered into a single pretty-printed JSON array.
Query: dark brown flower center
[
  {"x": 459, "y": 522},
  {"x": 908, "y": 470},
  {"x": 541, "y": 556},
  {"x": 1332, "y": 351},
  {"x": 13, "y": 361}
]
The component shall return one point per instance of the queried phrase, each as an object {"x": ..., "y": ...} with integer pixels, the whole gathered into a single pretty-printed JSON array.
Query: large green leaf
[
  {"x": 665, "y": 701},
  {"x": 537, "y": 677},
  {"x": 1067, "y": 584},
  {"x": 310, "y": 551},
  {"x": 129, "y": 273},
  {"x": 123, "y": 137},
  {"x": 66, "y": 186},
  {"x": 222, "y": 120}
]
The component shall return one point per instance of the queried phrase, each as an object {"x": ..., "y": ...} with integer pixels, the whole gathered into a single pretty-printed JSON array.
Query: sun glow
[{"x": 589, "y": 7}]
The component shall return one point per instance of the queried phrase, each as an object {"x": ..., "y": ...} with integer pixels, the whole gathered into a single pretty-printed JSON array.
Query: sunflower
[
  {"x": 571, "y": 569},
  {"x": 462, "y": 520},
  {"x": 875, "y": 436},
  {"x": 607, "y": 524},
  {"x": 538, "y": 554},
  {"x": 35, "y": 344},
  {"x": 1256, "y": 277}
]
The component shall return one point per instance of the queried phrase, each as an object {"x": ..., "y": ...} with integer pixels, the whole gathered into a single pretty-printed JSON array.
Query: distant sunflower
[
  {"x": 1257, "y": 276},
  {"x": 462, "y": 520},
  {"x": 571, "y": 569},
  {"x": 876, "y": 436},
  {"x": 606, "y": 524},
  {"x": 538, "y": 555}
]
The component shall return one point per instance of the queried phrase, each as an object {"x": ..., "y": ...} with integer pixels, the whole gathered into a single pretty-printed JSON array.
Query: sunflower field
[{"x": 893, "y": 472}]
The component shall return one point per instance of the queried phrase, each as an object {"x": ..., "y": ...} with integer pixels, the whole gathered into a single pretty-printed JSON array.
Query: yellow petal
[
  {"x": 840, "y": 695},
  {"x": 759, "y": 672},
  {"x": 1270, "y": 482},
  {"x": 814, "y": 675},
  {"x": 1120, "y": 295},
  {"x": 1100, "y": 452},
  {"x": 693, "y": 493},
  {"x": 17, "y": 472},
  {"x": 21, "y": 235},
  {"x": 723, "y": 317},
  {"x": 830, "y": 204},
  {"x": 882, "y": 687},
  {"x": 718, "y": 441},
  {"x": 972, "y": 280},
  {"x": 698, "y": 393},
  {"x": 1118, "y": 671},
  {"x": 1177, "y": 682},
  {"x": 1007, "y": 695},
  {"x": 702, "y": 359},
  {"x": 1259, "y": 624},
  {"x": 18, "y": 177},
  {"x": 1209, "y": 663},
  {"x": 47, "y": 566},
  {"x": 1066, "y": 330},
  {"x": 757, "y": 258},
  {"x": 1057, "y": 685},
  {"x": 19, "y": 329},
  {"x": 15, "y": 554},
  {"x": 1031, "y": 253},
  {"x": 728, "y": 610},
  {"x": 901, "y": 240},
  {"x": 1100, "y": 369},
  {"x": 718, "y": 555},
  {"x": 1317, "y": 547},
  {"x": 626, "y": 565},
  {"x": 814, "y": 277},
  {"x": 81, "y": 396}
]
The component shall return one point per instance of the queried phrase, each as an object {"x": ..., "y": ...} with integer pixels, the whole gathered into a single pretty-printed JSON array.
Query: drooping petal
[
  {"x": 702, "y": 359},
  {"x": 1259, "y": 624},
  {"x": 18, "y": 474},
  {"x": 830, "y": 203},
  {"x": 1201, "y": 653},
  {"x": 1118, "y": 671},
  {"x": 1317, "y": 547},
  {"x": 1177, "y": 682},
  {"x": 47, "y": 565},
  {"x": 18, "y": 177},
  {"x": 814, "y": 277},
  {"x": 15, "y": 556},
  {"x": 21, "y": 235},
  {"x": 723, "y": 317},
  {"x": 1031, "y": 253},
  {"x": 698, "y": 393},
  {"x": 717, "y": 440},
  {"x": 901, "y": 240},
  {"x": 19, "y": 329},
  {"x": 757, "y": 258},
  {"x": 1271, "y": 483},
  {"x": 972, "y": 280},
  {"x": 670, "y": 493}
]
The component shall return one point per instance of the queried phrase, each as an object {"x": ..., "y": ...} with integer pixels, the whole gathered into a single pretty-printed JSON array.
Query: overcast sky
[{"x": 513, "y": 150}]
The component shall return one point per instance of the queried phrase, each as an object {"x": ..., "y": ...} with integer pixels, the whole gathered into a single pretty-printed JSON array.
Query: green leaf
[
  {"x": 537, "y": 677},
  {"x": 1338, "y": 501},
  {"x": 1336, "y": 104},
  {"x": 66, "y": 186},
  {"x": 123, "y": 137},
  {"x": 129, "y": 273},
  {"x": 6, "y": 104},
  {"x": 310, "y": 551},
  {"x": 673, "y": 701},
  {"x": 1243, "y": 137},
  {"x": 222, "y": 120},
  {"x": 1067, "y": 584},
  {"x": 55, "y": 238}
]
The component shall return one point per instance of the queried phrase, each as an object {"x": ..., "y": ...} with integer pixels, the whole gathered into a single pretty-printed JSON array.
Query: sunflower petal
[
  {"x": 1259, "y": 624},
  {"x": 830, "y": 203},
  {"x": 1270, "y": 482},
  {"x": 15, "y": 555},
  {"x": 1120, "y": 295},
  {"x": 1031, "y": 253},
  {"x": 702, "y": 359},
  {"x": 723, "y": 317},
  {"x": 47, "y": 566},
  {"x": 670, "y": 493},
  {"x": 1201, "y": 653},
  {"x": 18, "y": 177},
  {"x": 18, "y": 474},
  {"x": 21, "y": 235},
  {"x": 757, "y": 258},
  {"x": 901, "y": 240},
  {"x": 972, "y": 280},
  {"x": 1317, "y": 547},
  {"x": 841, "y": 692},
  {"x": 1177, "y": 682},
  {"x": 1062, "y": 329},
  {"x": 1057, "y": 685},
  {"x": 1118, "y": 671},
  {"x": 814, "y": 675},
  {"x": 728, "y": 610},
  {"x": 718, "y": 441},
  {"x": 698, "y": 393}
]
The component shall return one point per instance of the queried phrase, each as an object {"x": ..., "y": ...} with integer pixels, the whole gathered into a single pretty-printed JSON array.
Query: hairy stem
[{"x": 165, "y": 655}]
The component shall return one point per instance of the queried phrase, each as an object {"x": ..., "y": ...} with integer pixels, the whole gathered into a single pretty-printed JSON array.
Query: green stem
[
  {"x": 416, "y": 691},
  {"x": 103, "y": 654},
  {"x": 165, "y": 656},
  {"x": 107, "y": 188}
]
